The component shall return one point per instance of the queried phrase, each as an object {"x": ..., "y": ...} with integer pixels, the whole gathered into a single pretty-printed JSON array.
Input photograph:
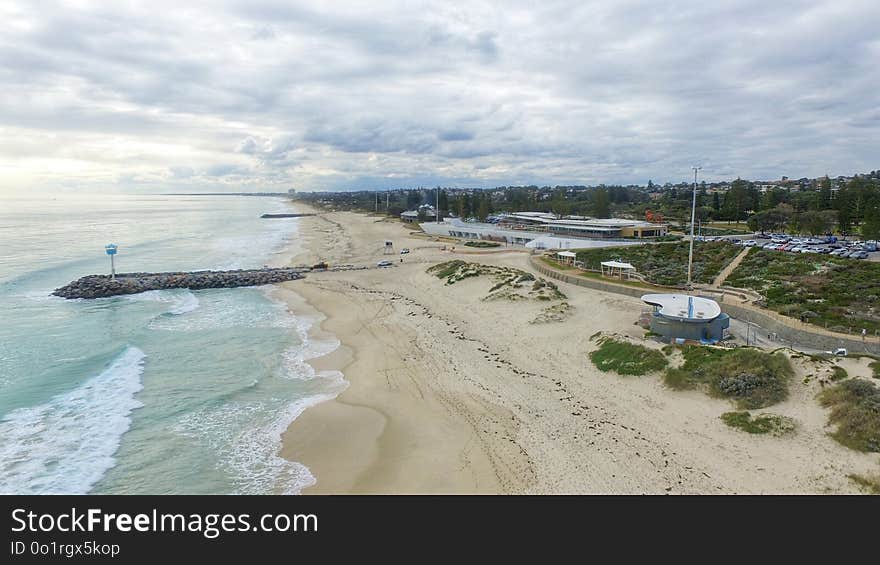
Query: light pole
[
  {"x": 111, "y": 248},
  {"x": 690, "y": 285}
]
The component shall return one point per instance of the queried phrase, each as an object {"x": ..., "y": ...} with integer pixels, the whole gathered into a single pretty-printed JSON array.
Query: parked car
[
  {"x": 840, "y": 352},
  {"x": 384, "y": 263},
  {"x": 750, "y": 243},
  {"x": 858, "y": 255},
  {"x": 871, "y": 246},
  {"x": 404, "y": 251}
]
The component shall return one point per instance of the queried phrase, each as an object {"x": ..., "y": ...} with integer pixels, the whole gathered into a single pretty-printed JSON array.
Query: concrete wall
[{"x": 797, "y": 337}]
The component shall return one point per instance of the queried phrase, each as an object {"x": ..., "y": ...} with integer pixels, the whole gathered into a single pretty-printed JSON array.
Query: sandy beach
[{"x": 453, "y": 393}]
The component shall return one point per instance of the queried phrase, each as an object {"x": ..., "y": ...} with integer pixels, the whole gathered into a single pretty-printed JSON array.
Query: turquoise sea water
[{"x": 161, "y": 392}]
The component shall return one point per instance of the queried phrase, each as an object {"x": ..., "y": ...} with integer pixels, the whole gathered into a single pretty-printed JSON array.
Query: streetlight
[
  {"x": 111, "y": 248},
  {"x": 690, "y": 285},
  {"x": 748, "y": 327}
]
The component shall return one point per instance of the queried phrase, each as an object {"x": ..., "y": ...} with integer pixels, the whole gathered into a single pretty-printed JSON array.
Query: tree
[
  {"x": 769, "y": 220},
  {"x": 444, "y": 202},
  {"x": 824, "y": 202},
  {"x": 558, "y": 205},
  {"x": 816, "y": 222},
  {"x": 601, "y": 204},
  {"x": 871, "y": 225},
  {"x": 413, "y": 199},
  {"x": 483, "y": 207},
  {"x": 736, "y": 200},
  {"x": 464, "y": 206},
  {"x": 716, "y": 202}
]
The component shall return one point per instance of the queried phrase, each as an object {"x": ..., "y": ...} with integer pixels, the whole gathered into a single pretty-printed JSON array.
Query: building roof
[
  {"x": 617, "y": 265},
  {"x": 566, "y": 254},
  {"x": 684, "y": 306}
]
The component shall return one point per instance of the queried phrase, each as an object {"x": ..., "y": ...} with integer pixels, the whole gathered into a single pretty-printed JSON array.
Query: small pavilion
[
  {"x": 617, "y": 269},
  {"x": 566, "y": 257}
]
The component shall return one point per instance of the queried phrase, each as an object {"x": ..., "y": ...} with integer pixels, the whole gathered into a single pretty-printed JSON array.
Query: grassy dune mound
[
  {"x": 510, "y": 283},
  {"x": 625, "y": 358},
  {"x": 759, "y": 424},
  {"x": 749, "y": 377},
  {"x": 855, "y": 410}
]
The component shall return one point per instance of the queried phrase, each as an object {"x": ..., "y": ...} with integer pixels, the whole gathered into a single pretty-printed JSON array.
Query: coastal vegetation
[
  {"x": 625, "y": 358},
  {"x": 666, "y": 263},
  {"x": 749, "y": 377},
  {"x": 510, "y": 283},
  {"x": 759, "y": 424},
  {"x": 875, "y": 367},
  {"x": 481, "y": 244},
  {"x": 855, "y": 410},
  {"x": 553, "y": 313},
  {"x": 837, "y": 293}
]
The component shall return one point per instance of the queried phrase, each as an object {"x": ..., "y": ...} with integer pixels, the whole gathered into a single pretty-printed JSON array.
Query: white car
[
  {"x": 404, "y": 251},
  {"x": 384, "y": 263}
]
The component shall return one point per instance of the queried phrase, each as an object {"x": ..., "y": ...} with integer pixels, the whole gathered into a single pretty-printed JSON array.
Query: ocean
[{"x": 164, "y": 392}]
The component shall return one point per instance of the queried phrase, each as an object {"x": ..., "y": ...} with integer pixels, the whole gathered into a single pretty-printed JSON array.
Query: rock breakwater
[{"x": 100, "y": 286}]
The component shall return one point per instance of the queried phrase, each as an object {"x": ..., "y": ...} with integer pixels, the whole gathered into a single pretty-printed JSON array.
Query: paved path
[{"x": 725, "y": 272}]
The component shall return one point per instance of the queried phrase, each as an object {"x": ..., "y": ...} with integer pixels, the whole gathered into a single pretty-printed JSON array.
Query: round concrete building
[{"x": 686, "y": 317}]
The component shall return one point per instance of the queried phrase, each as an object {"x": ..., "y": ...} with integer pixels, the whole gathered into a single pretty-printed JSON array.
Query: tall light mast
[{"x": 690, "y": 285}]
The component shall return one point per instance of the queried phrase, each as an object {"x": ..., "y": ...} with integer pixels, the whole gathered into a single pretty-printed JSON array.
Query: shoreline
[{"x": 347, "y": 442}]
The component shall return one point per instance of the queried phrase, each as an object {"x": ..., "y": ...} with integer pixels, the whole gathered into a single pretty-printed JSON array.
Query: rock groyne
[
  {"x": 100, "y": 286},
  {"x": 286, "y": 215}
]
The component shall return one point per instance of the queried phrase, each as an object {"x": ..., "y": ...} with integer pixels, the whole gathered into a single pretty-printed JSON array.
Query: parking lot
[{"x": 828, "y": 245}]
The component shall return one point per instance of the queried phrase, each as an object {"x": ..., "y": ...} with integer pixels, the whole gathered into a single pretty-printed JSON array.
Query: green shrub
[
  {"x": 838, "y": 373},
  {"x": 749, "y": 377},
  {"x": 760, "y": 424},
  {"x": 855, "y": 410},
  {"x": 875, "y": 366},
  {"x": 626, "y": 358}
]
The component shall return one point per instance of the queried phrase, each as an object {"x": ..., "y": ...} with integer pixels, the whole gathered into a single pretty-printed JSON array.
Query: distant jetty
[
  {"x": 101, "y": 286},
  {"x": 285, "y": 215}
]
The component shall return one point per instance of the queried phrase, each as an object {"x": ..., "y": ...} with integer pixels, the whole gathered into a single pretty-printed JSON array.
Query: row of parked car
[{"x": 853, "y": 249}]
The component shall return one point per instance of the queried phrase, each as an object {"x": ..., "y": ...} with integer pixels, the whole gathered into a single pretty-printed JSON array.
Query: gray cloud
[{"x": 279, "y": 93}]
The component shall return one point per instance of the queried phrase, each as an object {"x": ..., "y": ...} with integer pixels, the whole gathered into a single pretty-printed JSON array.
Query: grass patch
[
  {"x": 838, "y": 293},
  {"x": 626, "y": 358},
  {"x": 875, "y": 366},
  {"x": 855, "y": 410},
  {"x": 509, "y": 283},
  {"x": 749, "y": 377},
  {"x": 870, "y": 484},
  {"x": 838, "y": 373},
  {"x": 760, "y": 424},
  {"x": 666, "y": 263},
  {"x": 482, "y": 244}
]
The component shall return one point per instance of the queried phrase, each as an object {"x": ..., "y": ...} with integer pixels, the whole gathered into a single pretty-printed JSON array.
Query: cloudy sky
[{"x": 268, "y": 95}]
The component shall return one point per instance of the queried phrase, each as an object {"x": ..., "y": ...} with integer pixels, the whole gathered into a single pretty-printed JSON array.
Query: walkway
[{"x": 725, "y": 272}]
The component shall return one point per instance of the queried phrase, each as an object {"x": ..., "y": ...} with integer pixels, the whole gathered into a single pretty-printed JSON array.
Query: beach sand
[{"x": 450, "y": 393}]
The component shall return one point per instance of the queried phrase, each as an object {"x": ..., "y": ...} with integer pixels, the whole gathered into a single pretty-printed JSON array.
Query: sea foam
[{"x": 67, "y": 444}]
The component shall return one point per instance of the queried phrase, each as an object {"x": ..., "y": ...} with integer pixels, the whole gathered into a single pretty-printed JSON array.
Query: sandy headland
[{"x": 474, "y": 388}]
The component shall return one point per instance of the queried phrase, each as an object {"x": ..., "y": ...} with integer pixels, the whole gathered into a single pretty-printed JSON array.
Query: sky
[{"x": 267, "y": 95}]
